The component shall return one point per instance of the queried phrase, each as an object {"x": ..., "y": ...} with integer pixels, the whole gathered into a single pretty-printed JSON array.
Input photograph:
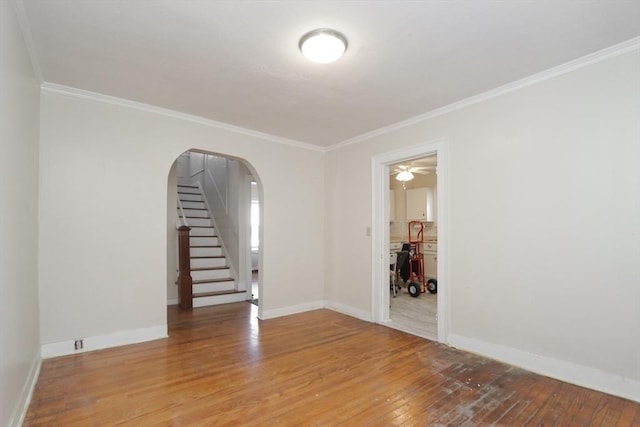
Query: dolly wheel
[
  {"x": 432, "y": 286},
  {"x": 414, "y": 289}
]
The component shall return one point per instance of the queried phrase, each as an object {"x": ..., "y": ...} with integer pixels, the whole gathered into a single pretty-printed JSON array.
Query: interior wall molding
[
  {"x": 22, "y": 406},
  {"x": 292, "y": 309},
  {"x": 54, "y": 88},
  {"x": 592, "y": 58},
  {"x": 99, "y": 342},
  {"x": 562, "y": 370},
  {"x": 349, "y": 311}
]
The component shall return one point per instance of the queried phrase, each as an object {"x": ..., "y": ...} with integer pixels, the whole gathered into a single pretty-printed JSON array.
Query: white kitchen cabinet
[
  {"x": 421, "y": 204},
  {"x": 430, "y": 256}
]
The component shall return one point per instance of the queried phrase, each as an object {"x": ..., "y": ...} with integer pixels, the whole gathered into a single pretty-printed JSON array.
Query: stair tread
[
  {"x": 193, "y": 209},
  {"x": 206, "y": 257},
  {"x": 209, "y": 268},
  {"x": 224, "y": 279},
  {"x": 205, "y": 246},
  {"x": 213, "y": 294}
]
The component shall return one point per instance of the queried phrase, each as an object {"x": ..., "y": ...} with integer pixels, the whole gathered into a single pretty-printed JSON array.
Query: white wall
[
  {"x": 544, "y": 214},
  {"x": 104, "y": 169},
  {"x": 19, "y": 117},
  {"x": 172, "y": 234}
]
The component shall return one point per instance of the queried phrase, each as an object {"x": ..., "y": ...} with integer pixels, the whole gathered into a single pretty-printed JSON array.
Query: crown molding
[
  {"x": 25, "y": 28},
  {"x": 54, "y": 88},
  {"x": 592, "y": 58}
]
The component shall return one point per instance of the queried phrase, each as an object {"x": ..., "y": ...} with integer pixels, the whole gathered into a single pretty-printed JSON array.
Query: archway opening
[{"x": 218, "y": 197}]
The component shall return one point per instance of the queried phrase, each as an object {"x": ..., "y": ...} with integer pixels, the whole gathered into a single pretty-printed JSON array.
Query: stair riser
[
  {"x": 192, "y": 205},
  {"x": 199, "y": 221},
  {"x": 188, "y": 189},
  {"x": 204, "y": 241},
  {"x": 196, "y": 213},
  {"x": 198, "y": 232},
  {"x": 208, "y": 262},
  {"x": 206, "y": 251},
  {"x": 188, "y": 197},
  {"x": 214, "y": 287},
  {"x": 210, "y": 274},
  {"x": 219, "y": 299}
]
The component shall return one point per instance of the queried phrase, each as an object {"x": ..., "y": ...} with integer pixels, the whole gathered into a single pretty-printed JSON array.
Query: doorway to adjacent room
[{"x": 383, "y": 230}]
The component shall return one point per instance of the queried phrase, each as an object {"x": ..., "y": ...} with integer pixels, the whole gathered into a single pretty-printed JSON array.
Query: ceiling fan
[{"x": 405, "y": 172}]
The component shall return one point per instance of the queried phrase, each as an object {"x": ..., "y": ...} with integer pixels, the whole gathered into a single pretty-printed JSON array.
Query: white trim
[
  {"x": 20, "y": 410},
  {"x": 172, "y": 301},
  {"x": 121, "y": 102},
  {"x": 592, "y": 58},
  {"x": 292, "y": 309},
  {"x": 380, "y": 230},
  {"x": 573, "y": 373},
  {"x": 349, "y": 311},
  {"x": 23, "y": 23},
  {"x": 98, "y": 342}
]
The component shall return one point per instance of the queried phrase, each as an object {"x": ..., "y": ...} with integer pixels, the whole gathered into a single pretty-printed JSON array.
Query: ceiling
[{"x": 238, "y": 61}]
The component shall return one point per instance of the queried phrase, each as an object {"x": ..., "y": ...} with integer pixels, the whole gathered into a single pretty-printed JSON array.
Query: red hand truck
[{"x": 417, "y": 284}]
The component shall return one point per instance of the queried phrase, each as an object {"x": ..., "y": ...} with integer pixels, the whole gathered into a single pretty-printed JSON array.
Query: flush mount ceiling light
[
  {"x": 404, "y": 176},
  {"x": 323, "y": 45}
]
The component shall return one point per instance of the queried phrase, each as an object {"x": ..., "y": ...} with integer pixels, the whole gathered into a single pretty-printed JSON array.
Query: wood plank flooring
[
  {"x": 221, "y": 366},
  {"x": 415, "y": 315}
]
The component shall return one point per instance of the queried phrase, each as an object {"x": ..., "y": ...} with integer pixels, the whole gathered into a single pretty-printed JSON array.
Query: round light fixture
[
  {"x": 404, "y": 176},
  {"x": 323, "y": 45}
]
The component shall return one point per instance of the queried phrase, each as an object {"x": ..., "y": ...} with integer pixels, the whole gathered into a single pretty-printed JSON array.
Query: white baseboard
[
  {"x": 98, "y": 342},
  {"x": 562, "y": 370},
  {"x": 349, "y": 311},
  {"x": 172, "y": 301},
  {"x": 315, "y": 305},
  {"x": 293, "y": 309},
  {"x": 20, "y": 410}
]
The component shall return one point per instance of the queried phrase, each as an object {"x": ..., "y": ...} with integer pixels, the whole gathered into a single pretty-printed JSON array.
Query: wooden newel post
[{"x": 185, "y": 290}]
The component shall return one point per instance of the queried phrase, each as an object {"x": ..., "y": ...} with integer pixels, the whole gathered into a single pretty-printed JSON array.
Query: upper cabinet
[{"x": 421, "y": 204}]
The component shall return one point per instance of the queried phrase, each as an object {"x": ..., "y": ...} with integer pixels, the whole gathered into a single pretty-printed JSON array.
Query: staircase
[{"x": 212, "y": 279}]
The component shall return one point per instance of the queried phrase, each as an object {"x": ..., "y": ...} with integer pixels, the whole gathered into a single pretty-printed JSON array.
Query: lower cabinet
[{"x": 430, "y": 254}]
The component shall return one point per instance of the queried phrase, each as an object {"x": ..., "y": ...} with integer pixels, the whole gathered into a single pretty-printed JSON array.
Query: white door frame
[{"x": 380, "y": 229}]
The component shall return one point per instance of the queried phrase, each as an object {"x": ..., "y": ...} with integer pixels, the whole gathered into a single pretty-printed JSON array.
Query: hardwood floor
[{"x": 221, "y": 366}]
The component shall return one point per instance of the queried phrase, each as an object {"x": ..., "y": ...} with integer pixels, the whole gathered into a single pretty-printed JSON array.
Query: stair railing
[{"x": 182, "y": 215}]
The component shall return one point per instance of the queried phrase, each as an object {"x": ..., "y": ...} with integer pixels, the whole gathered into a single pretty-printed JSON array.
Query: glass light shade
[
  {"x": 404, "y": 176},
  {"x": 323, "y": 45}
]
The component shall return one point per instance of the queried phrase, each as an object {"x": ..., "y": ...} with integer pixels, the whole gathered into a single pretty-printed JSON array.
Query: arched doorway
[{"x": 211, "y": 193}]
